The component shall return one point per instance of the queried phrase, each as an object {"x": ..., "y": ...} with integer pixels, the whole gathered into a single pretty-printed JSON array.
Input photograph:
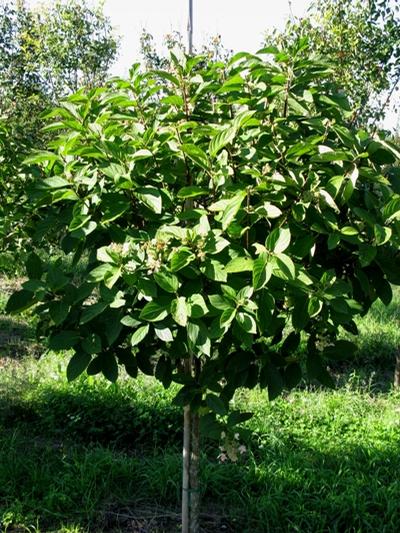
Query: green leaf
[
  {"x": 139, "y": 335},
  {"x": 192, "y": 192},
  {"x": 316, "y": 369},
  {"x": 221, "y": 139},
  {"x": 239, "y": 264},
  {"x": 19, "y": 301},
  {"x": 92, "y": 344},
  {"x": 179, "y": 311},
  {"x": 64, "y": 340},
  {"x": 214, "y": 270},
  {"x": 314, "y": 306},
  {"x": 58, "y": 311},
  {"x": 167, "y": 281},
  {"x": 286, "y": 266},
  {"x": 292, "y": 375},
  {"x": 92, "y": 311},
  {"x": 216, "y": 404},
  {"x": 34, "y": 267},
  {"x": 110, "y": 368},
  {"x": 198, "y": 338},
  {"x": 163, "y": 333},
  {"x": 181, "y": 258},
  {"x": 197, "y": 306},
  {"x": 219, "y": 302},
  {"x": 77, "y": 365},
  {"x": 262, "y": 271},
  {"x": 153, "y": 312},
  {"x": 196, "y": 154},
  {"x": 278, "y": 240},
  {"x": 270, "y": 377},
  {"x": 151, "y": 197},
  {"x": 227, "y": 317},
  {"x": 246, "y": 322},
  {"x": 342, "y": 350},
  {"x": 237, "y": 417},
  {"x": 382, "y": 234},
  {"x": 231, "y": 209},
  {"x": 99, "y": 273},
  {"x": 113, "y": 206}
]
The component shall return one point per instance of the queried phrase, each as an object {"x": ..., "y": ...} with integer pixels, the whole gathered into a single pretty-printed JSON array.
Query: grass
[{"x": 93, "y": 457}]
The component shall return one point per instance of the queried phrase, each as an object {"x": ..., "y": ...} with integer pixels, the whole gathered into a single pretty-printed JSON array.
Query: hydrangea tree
[{"x": 224, "y": 213}]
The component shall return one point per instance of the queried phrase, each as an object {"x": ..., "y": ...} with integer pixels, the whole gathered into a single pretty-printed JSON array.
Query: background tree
[
  {"x": 362, "y": 40},
  {"x": 45, "y": 54},
  {"x": 224, "y": 216}
]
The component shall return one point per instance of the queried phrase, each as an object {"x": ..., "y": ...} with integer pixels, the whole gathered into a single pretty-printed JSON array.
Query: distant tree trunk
[{"x": 396, "y": 382}]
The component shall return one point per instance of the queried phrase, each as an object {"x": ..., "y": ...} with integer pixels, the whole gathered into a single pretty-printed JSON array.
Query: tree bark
[
  {"x": 396, "y": 382},
  {"x": 190, "y": 470},
  {"x": 186, "y": 469},
  {"x": 194, "y": 474}
]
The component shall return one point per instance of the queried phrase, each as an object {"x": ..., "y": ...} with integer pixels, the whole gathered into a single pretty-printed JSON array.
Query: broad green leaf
[
  {"x": 19, "y": 301},
  {"x": 246, "y": 322},
  {"x": 231, "y": 209},
  {"x": 34, "y": 267},
  {"x": 278, "y": 240},
  {"x": 197, "y": 306},
  {"x": 58, "y": 311},
  {"x": 139, "y": 335},
  {"x": 92, "y": 344},
  {"x": 192, "y": 192},
  {"x": 179, "y": 311},
  {"x": 196, "y": 154},
  {"x": 216, "y": 404},
  {"x": 154, "y": 312},
  {"x": 167, "y": 281},
  {"x": 239, "y": 264},
  {"x": 214, "y": 270},
  {"x": 163, "y": 333},
  {"x": 262, "y": 271},
  {"x": 286, "y": 266},
  {"x": 314, "y": 306},
  {"x": 181, "y": 258},
  {"x": 92, "y": 311},
  {"x": 382, "y": 234},
  {"x": 64, "y": 340},
  {"x": 221, "y": 139},
  {"x": 77, "y": 365},
  {"x": 151, "y": 197},
  {"x": 198, "y": 338},
  {"x": 113, "y": 205}
]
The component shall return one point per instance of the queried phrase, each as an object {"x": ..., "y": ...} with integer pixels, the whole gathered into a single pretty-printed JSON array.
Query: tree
[
  {"x": 45, "y": 54},
  {"x": 223, "y": 216},
  {"x": 362, "y": 40},
  {"x": 213, "y": 50}
]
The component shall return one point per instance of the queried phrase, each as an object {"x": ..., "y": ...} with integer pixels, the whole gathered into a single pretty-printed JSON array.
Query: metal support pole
[{"x": 190, "y": 28}]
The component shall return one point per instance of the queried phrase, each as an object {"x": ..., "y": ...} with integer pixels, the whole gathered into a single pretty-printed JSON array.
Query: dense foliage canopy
[{"x": 224, "y": 212}]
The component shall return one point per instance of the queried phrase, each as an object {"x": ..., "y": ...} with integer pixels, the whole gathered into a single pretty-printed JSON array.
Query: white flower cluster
[{"x": 231, "y": 448}]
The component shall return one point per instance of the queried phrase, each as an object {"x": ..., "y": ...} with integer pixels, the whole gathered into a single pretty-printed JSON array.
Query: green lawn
[{"x": 91, "y": 456}]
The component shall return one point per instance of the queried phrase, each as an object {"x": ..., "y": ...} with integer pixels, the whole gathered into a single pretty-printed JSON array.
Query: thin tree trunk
[
  {"x": 187, "y": 419},
  {"x": 191, "y": 459},
  {"x": 396, "y": 381},
  {"x": 194, "y": 474}
]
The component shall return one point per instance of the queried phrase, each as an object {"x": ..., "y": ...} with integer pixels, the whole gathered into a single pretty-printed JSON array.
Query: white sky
[{"x": 241, "y": 24}]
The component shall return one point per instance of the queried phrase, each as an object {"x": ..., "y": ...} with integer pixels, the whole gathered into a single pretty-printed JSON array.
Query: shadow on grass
[
  {"x": 17, "y": 339},
  {"x": 290, "y": 488}
]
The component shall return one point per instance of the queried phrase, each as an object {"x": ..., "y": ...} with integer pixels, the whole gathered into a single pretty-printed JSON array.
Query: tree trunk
[
  {"x": 187, "y": 422},
  {"x": 194, "y": 475},
  {"x": 190, "y": 470},
  {"x": 396, "y": 382}
]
